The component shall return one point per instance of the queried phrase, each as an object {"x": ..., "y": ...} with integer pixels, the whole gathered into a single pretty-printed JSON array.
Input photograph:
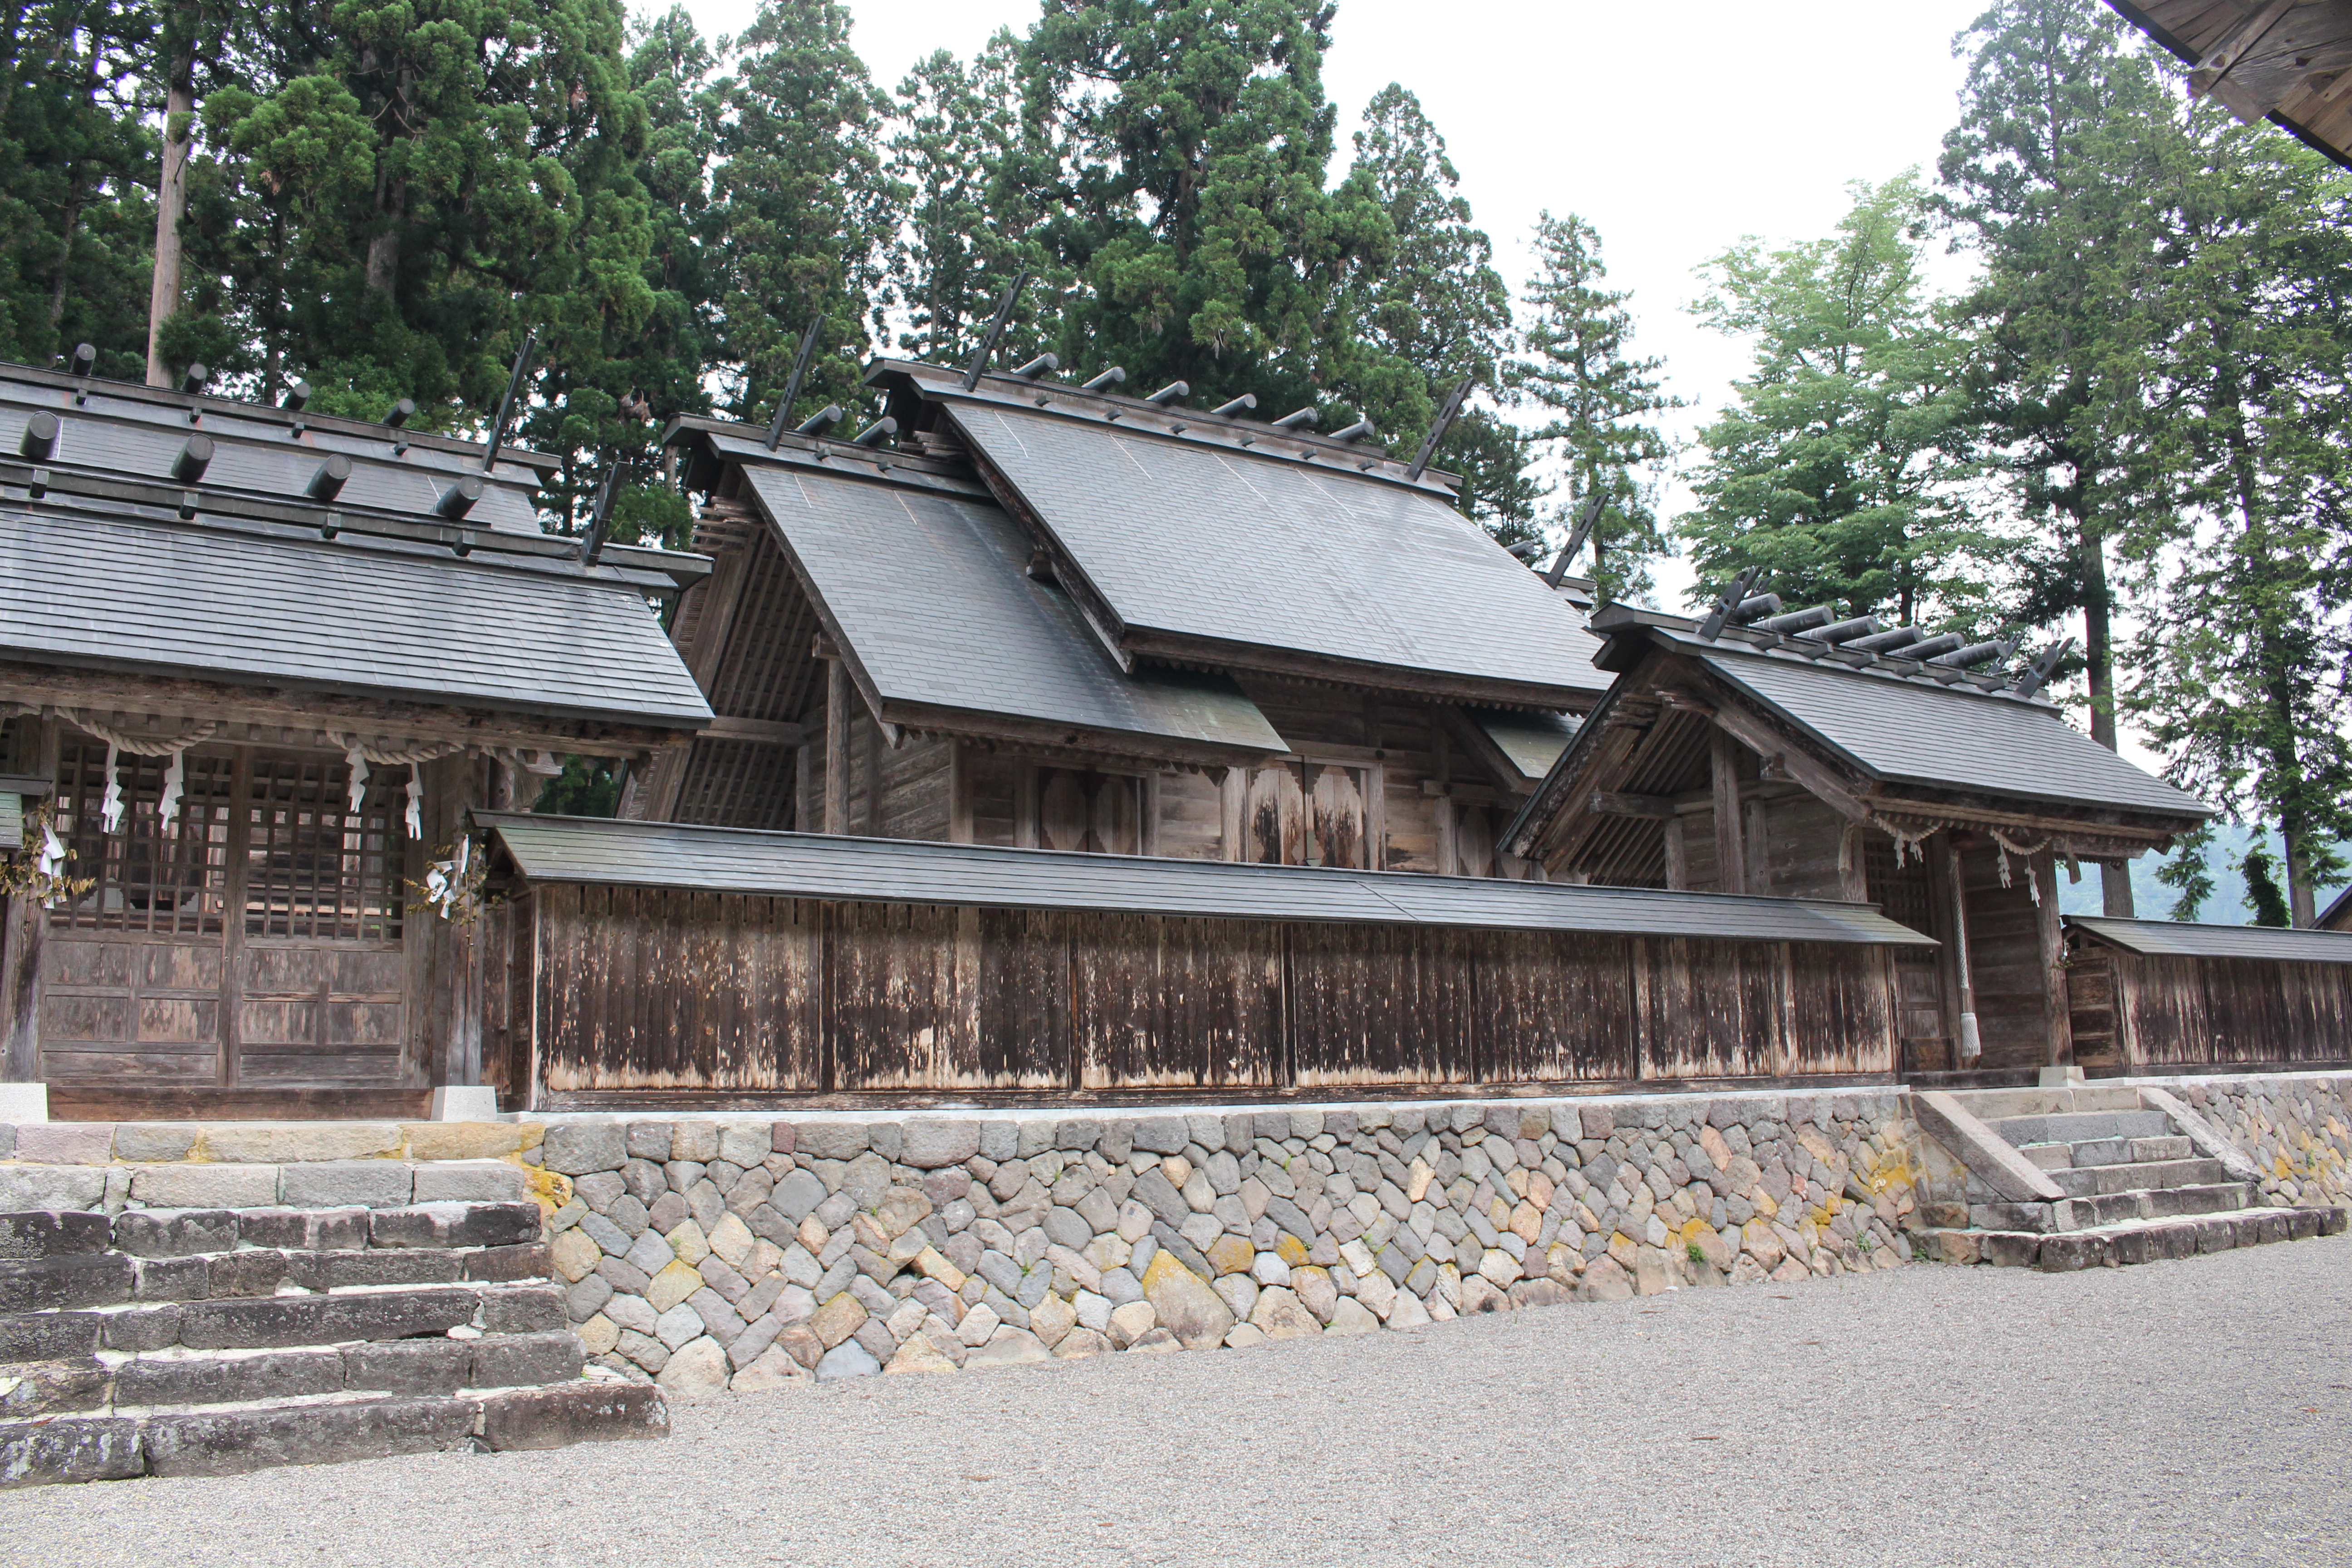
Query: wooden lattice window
[
  {"x": 311, "y": 866},
  {"x": 169, "y": 882},
  {"x": 315, "y": 867},
  {"x": 1902, "y": 892}
]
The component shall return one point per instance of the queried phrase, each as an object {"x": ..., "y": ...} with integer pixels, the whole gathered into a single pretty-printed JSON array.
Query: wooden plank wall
[
  {"x": 2139, "y": 1011},
  {"x": 663, "y": 989}
]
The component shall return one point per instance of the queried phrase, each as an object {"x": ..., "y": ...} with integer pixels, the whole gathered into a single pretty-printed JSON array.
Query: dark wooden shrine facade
[
  {"x": 651, "y": 963},
  {"x": 197, "y": 648},
  {"x": 1075, "y": 620},
  {"x": 2158, "y": 995},
  {"x": 1784, "y": 766}
]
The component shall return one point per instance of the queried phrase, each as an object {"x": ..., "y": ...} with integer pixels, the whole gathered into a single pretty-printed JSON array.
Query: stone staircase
[
  {"x": 170, "y": 1341},
  {"x": 2086, "y": 1175}
]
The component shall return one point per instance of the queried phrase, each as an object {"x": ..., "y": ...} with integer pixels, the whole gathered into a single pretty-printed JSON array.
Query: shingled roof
[
  {"x": 2182, "y": 938},
  {"x": 923, "y": 583},
  {"x": 2288, "y": 63},
  {"x": 1187, "y": 536},
  {"x": 121, "y": 551}
]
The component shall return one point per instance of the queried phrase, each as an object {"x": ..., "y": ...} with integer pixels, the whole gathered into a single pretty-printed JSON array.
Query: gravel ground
[{"x": 2198, "y": 1411}]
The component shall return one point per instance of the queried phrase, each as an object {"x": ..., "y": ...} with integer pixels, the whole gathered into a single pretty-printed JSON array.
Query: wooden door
[
  {"x": 256, "y": 939},
  {"x": 1905, "y": 893},
  {"x": 1099, "y": 813}
]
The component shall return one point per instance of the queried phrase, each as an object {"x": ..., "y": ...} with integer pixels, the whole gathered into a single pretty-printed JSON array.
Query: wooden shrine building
[
  {"x": 261, "y": 664},
  {"x": 2287, "y": 62},
  {"x": 1790, "y": 765},
  {"x": 1061, "y": 617}
]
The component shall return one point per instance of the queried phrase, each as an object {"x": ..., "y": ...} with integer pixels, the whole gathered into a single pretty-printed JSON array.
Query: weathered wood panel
[
  {"x": 1380, "y": 1004},
  {"x": 1172, "y": 1003},
  {"x": 660, "y": 989},
  {"x": 1842, "y": 1002},
  {"x": 1555, "y": 1008},
  {"x": 1715, "y": 1009},
  {"x": 931, "y": 996}
]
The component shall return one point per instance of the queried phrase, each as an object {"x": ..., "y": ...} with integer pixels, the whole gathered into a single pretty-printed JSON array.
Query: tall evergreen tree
[
  {"x": 1185, "y": 188},
  {"x": 1420, "y": 307},
  {"x": 1601, "y": 402},
  {"x": 956, "y": 150},
  {"x": 2042, "y": 179},
  {"x": 1828, "y": 471},
  {"x": 803, "y": 210},
  {"x": 2244, "y": 672}
]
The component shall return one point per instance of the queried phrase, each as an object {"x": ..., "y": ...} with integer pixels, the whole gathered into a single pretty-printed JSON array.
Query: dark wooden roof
[
  {"x": 2180, "y": 939},
  {"x": 928, "y": 592},
  {"x": 882, "y": 870},
  {"x": 2338, "y": 916},
  {"x": 1229, "y": 542},
  {"x": 2290, "y": 62},
  {"x": 1908, "y": 737}
]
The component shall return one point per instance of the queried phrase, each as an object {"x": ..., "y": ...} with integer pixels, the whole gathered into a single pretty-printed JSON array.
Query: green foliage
[
  {"x": 1578, "y": 368},
  {"x": 1180, "y": 151},
  {"x": 1830, "y": 470},
  {"x": 2189, "y": 871},
  {"x": 588, "y": 786},
  {"x": 2261, "y": 869}
]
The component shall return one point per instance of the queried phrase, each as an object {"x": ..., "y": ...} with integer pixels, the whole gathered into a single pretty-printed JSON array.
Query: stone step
[
  {"x": 2082, "y": 1127},
  {"x": 1993, "y": 1104},
  {"x": 2108, "y": 1151},
  {"x": 177, "y": 1378},
  {"x": 2093, "y": 1181},
  {"x": 217, "y": 1442},
  {"x": 2131, "y": 1242},
  {"x": 2162, "y": 1202},
  {"x": 366, "y": 1183}
]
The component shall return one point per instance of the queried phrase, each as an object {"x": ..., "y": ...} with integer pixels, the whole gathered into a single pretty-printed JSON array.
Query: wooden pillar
[
  {"x": 1759, "y": 848},
  {"x": 1853, "y": 881},
  {"x": 1677, "y": 856},
  {"x": 2116, "y": 890},
  {"x": 22, "y": 928},
  {"x": 1731, "y": 862},
  {"x": 873, "y": 819},
  {"x": 836, "y": 746},
  {"x": 453, "y": 993},
  {"x": 2057, "y": 1009}
]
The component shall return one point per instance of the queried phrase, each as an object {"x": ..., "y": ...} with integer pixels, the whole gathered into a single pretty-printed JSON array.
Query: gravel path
[{"x": 2198, "y": 1411}]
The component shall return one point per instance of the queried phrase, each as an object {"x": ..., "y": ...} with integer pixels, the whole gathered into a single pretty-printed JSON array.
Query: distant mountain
[{"x": 2153, "y": 900}]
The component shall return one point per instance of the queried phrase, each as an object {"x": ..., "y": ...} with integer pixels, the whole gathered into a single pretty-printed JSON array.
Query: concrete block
[
  {"x": 375, "y": 1268},
  {"x": 281, "y": 1320},
  {"x": 344, "y": 1184},
  {"x": 523, "y": 1309},
  {"x": 2011, "y": 1249},
  {"x": 461, "y": 1140},
  {"x": 470, "y": 1180},
  {"x": 175, "y": 1233},
  {"x": 304, "y": 1230},
  {"x": 206, "y": 1186},
  {"x": 51, "y": 1187},
  {"x": 455, "y": 1225},
  {"x": 515, "y": 1361},
  {"x": 2063, "y": 1254},
  {"x": 465, "y": 1102},
  {"x": 52, "y": 1336},
  {"x": 1982, "y": 1150},
  {"x": 86, "y": 1448},
  {"x": 223, "y": 1379},
  {"x": 298, "y": 1142},
  {"x": 155, "y": 1141},
  {"x": 224, "y": 1443},
  {"x": 571, "y": 1412},
  {"x": 47, "y": 1234},
  {"x": 61, "y": 1284},
  {"x": 66, "y": 1143},
  {"x": 499, "y": 1265},
  {"x": 409, "y": 1366},
  {"x": 24, "y": 1104}
]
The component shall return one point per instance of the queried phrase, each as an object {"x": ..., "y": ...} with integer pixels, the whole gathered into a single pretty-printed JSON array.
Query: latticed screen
[
  {"x": 312, "y": 868},
  {"x": 1902, "y": 893},
  {"x": 172, "y": 881}
]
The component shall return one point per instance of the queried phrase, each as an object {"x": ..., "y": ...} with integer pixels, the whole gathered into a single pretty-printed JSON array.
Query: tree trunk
[
  {"x": 383, "y": 249},
  {"x": 2099, "y": 659},
  {"x": 65, "y": 251},
  {"x": 171, "y": 203}
]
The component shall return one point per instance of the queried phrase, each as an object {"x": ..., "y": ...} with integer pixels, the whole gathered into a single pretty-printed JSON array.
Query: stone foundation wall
[
  {"x": 750, "y": 1253},
  {"x": 2297, "y": 1130}
]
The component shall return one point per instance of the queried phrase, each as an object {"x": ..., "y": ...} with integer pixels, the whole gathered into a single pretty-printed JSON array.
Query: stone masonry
[
  {"x": 707, "y": 1254},
  {"x": 2296, "y": 1128}
]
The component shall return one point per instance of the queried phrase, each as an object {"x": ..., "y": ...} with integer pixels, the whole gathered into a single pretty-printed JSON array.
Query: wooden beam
[
  {"x": 1610, "y": 802},
  {"x": 2058, "y": 1016},
  {"x": 770, "y": 732},
  {"x": 1730, "y": 860},
  {"x": 1677, "y": 857},
  {"x": 836, "y": 746},
  {"x": 1817, "y": 778}
]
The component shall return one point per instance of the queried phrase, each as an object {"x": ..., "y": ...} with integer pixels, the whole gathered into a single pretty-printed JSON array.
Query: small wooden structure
[
  {"x": 1778, "y": 765},
  {"x": 260, "y": 663},
  {"x": 1050, "y": 617},
  {"x": 2338, "y": 916},
  {"x": 2289, "y": 61},
  {"x": 656, "y": 964},
  {"x": 2166, "y": 996}
]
